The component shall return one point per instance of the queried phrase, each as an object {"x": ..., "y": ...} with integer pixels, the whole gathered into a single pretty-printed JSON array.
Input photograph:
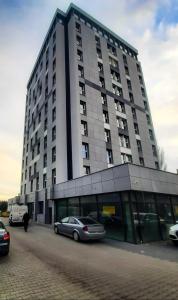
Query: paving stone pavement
[{"x": 42, "y": 265}]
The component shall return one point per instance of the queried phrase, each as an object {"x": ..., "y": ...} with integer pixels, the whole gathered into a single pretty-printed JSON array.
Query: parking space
[{"x": 42, "y": 265}]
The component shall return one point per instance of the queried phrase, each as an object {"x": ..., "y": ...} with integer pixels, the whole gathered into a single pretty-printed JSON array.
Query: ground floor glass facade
[{"x": 127, "y": 216}]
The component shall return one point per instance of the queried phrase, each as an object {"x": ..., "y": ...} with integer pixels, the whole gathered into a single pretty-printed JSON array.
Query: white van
[{"x": 16, "y": 213}]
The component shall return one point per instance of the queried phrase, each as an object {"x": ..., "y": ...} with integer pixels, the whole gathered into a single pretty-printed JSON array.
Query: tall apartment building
[{"x": 86, "y": 105}]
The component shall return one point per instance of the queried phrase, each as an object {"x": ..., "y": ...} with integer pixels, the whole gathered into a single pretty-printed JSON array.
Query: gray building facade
[{"x": 86, "y": 112}]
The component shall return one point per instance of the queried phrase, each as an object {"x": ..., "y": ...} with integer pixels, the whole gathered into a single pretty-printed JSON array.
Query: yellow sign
[
  {"x": 109, "y": 210},
  {"x": 176, "y": 210}
]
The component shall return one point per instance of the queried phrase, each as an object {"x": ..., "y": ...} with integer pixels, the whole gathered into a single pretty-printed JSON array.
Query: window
[
  {"x": 126, "y": 158},
  {"x": 101, "y": 82},
  {"x": 54, "y": 37},
  {"x": 38, "y": 148},
  {"x": 46, "y": 107},
  {"x": 54, "y": 79},
  {"x": 145, "y": 105},
  {"x": 80, "y": 71},
  {"x": 140, "y": 79},
  {"x": 40, "y": 207},
  {"x": 82, "y": 108},
  {"x": 44, "y": 181},
  {"x": 54, "y": 96},
  {"x": 100, "y": 68},
  {"x": 107, "y": 136},
  {"x": 54, "y": 50},
  {"x": 119, "y": 106},
  {"x": 112, "y": 50},
  {"x": 103, "y": 99},
  {"x": 26, "y": 174},
  {"x": 45, "y": 142},
  {"x": 151, "y": 135},
  {"x": 105, "y": 117},
  {"x": 47, "y": 63},
  {"x": 148, "y": 119},
  {"x": 54, "y": 114},
  {"x": 79, "y": 41},
  {"x": 34, "y": 125},
  {"x": 30, "y": 172},
  {"x": 129, "y": 84},
  {"x": 78, "y": 27},
  {"x": 41, "y": 65},
  {"x": 134, "y": 113},
  {"x": 79, "y": 55},
  {"x": 117, "y": 90},
  {"x": 136, "y": 128},
  {"x": 115, "y": 76},
  {"x": 84, "y": 130},
  {"x": 31, "y": 186},
  {"x": 53, "y": 133},
  {"x": 36, "y": 137},
  {"x": 156, "y": 165},
  {"x": 39, "y": 117},
  {"x": 138, "y": 68},
  {"x": 33, "y": 153},
  {"x": 98, "y": 53},
  {"x": 125, "y": 59},
  {"x": 139, "y": 146},
  {"x": 53, "y": 154},
  {"x": 85, "y": 150},
  {"x": 124, "y": 141},
  {"x": 141, "y": 161},
  {"x": 45, "y": 124},
  {"x": 54, "y": 64},
  {"x": 46, "y": 92},
  {"x": 131, "y": 97},
  {"x": 122, "y": 123},
  {"x": 143, "y": 92},
  {"x": 46, "y": 79},
  {"x": 82, "y": 88},
  {"x": 97, "y": 39},
  {"x": 109, "y": 156},
  {"x": 53, "y": 176},
  {"x": 113, "y": 62},
  {"x": 86, "y": 170},
  {"x": 45, "y": 160},
  {"x": 35, "y": 168},
  {"x": 154, "y": 150},
  {"x": 126, "y": 70}
]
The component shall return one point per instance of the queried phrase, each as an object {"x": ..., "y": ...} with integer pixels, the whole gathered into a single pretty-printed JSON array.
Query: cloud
[{"x": 23, "y": 27}]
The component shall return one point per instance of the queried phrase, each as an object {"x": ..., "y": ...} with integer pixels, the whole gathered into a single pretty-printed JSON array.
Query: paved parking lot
[{"x": 42, "y": 265}]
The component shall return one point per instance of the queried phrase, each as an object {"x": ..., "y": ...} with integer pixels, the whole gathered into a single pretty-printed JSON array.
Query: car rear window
[
  {"x": 2, "y": 225},
  {"x": 87, "y": 221}
]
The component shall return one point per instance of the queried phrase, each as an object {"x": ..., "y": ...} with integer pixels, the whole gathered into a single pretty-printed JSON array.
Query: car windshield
[
  {"x": 87, "y": 221},
  {"x": 2, "y": 225}
]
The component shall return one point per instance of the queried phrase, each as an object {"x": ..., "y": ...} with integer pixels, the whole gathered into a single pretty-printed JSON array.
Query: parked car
[
  {"x": 4, "y": 239},
  {"x": 80, "y": 228},
  {"x": 173, "y": 234}
]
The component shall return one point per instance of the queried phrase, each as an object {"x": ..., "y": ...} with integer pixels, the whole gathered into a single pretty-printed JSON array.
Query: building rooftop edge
[{"x": 65, "y": 14}]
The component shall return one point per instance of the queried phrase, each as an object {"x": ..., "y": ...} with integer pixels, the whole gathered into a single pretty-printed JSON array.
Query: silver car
[
  {"x": 173, "y": 234},
  {"x": 80, "y": 228}
]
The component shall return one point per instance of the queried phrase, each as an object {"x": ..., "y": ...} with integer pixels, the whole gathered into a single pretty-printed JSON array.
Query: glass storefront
[
  {"x": 165, "y": 214},
  {"x": 127, "y": 216}
]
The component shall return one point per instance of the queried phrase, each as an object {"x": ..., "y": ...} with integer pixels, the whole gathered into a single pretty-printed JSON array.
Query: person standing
[{"x": 26, "y": 218}]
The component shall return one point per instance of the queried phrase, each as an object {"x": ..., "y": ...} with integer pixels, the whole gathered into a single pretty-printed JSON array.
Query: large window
[
  {"x": 89, "y": 206},
  {"x": 73, "y": 207},
  {"x": 85, "y": 150}
]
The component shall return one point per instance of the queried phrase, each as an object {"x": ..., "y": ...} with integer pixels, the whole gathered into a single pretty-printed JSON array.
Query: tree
[
  {"x": 161, "y": 159},
  {"x": 3, "y": 205}
]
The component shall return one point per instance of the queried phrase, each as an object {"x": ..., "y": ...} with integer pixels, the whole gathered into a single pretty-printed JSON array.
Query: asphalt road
[{"x": 42, "y": 265}]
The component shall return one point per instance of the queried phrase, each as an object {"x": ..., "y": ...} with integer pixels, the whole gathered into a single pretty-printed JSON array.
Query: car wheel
[
  {"x": 175, "y": 243},
  {"x": 76, "y": 236},
  {"x": 56, "y": 230},
  {"x": 6, "y": 253}
]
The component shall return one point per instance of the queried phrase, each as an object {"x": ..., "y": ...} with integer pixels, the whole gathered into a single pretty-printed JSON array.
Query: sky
[{"x": 151, "y": 26}]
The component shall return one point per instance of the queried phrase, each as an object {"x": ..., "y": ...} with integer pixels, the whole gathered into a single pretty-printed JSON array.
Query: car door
[
  {"x": 72, "y": 225},
  {"x": 63, "y": 227}
]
